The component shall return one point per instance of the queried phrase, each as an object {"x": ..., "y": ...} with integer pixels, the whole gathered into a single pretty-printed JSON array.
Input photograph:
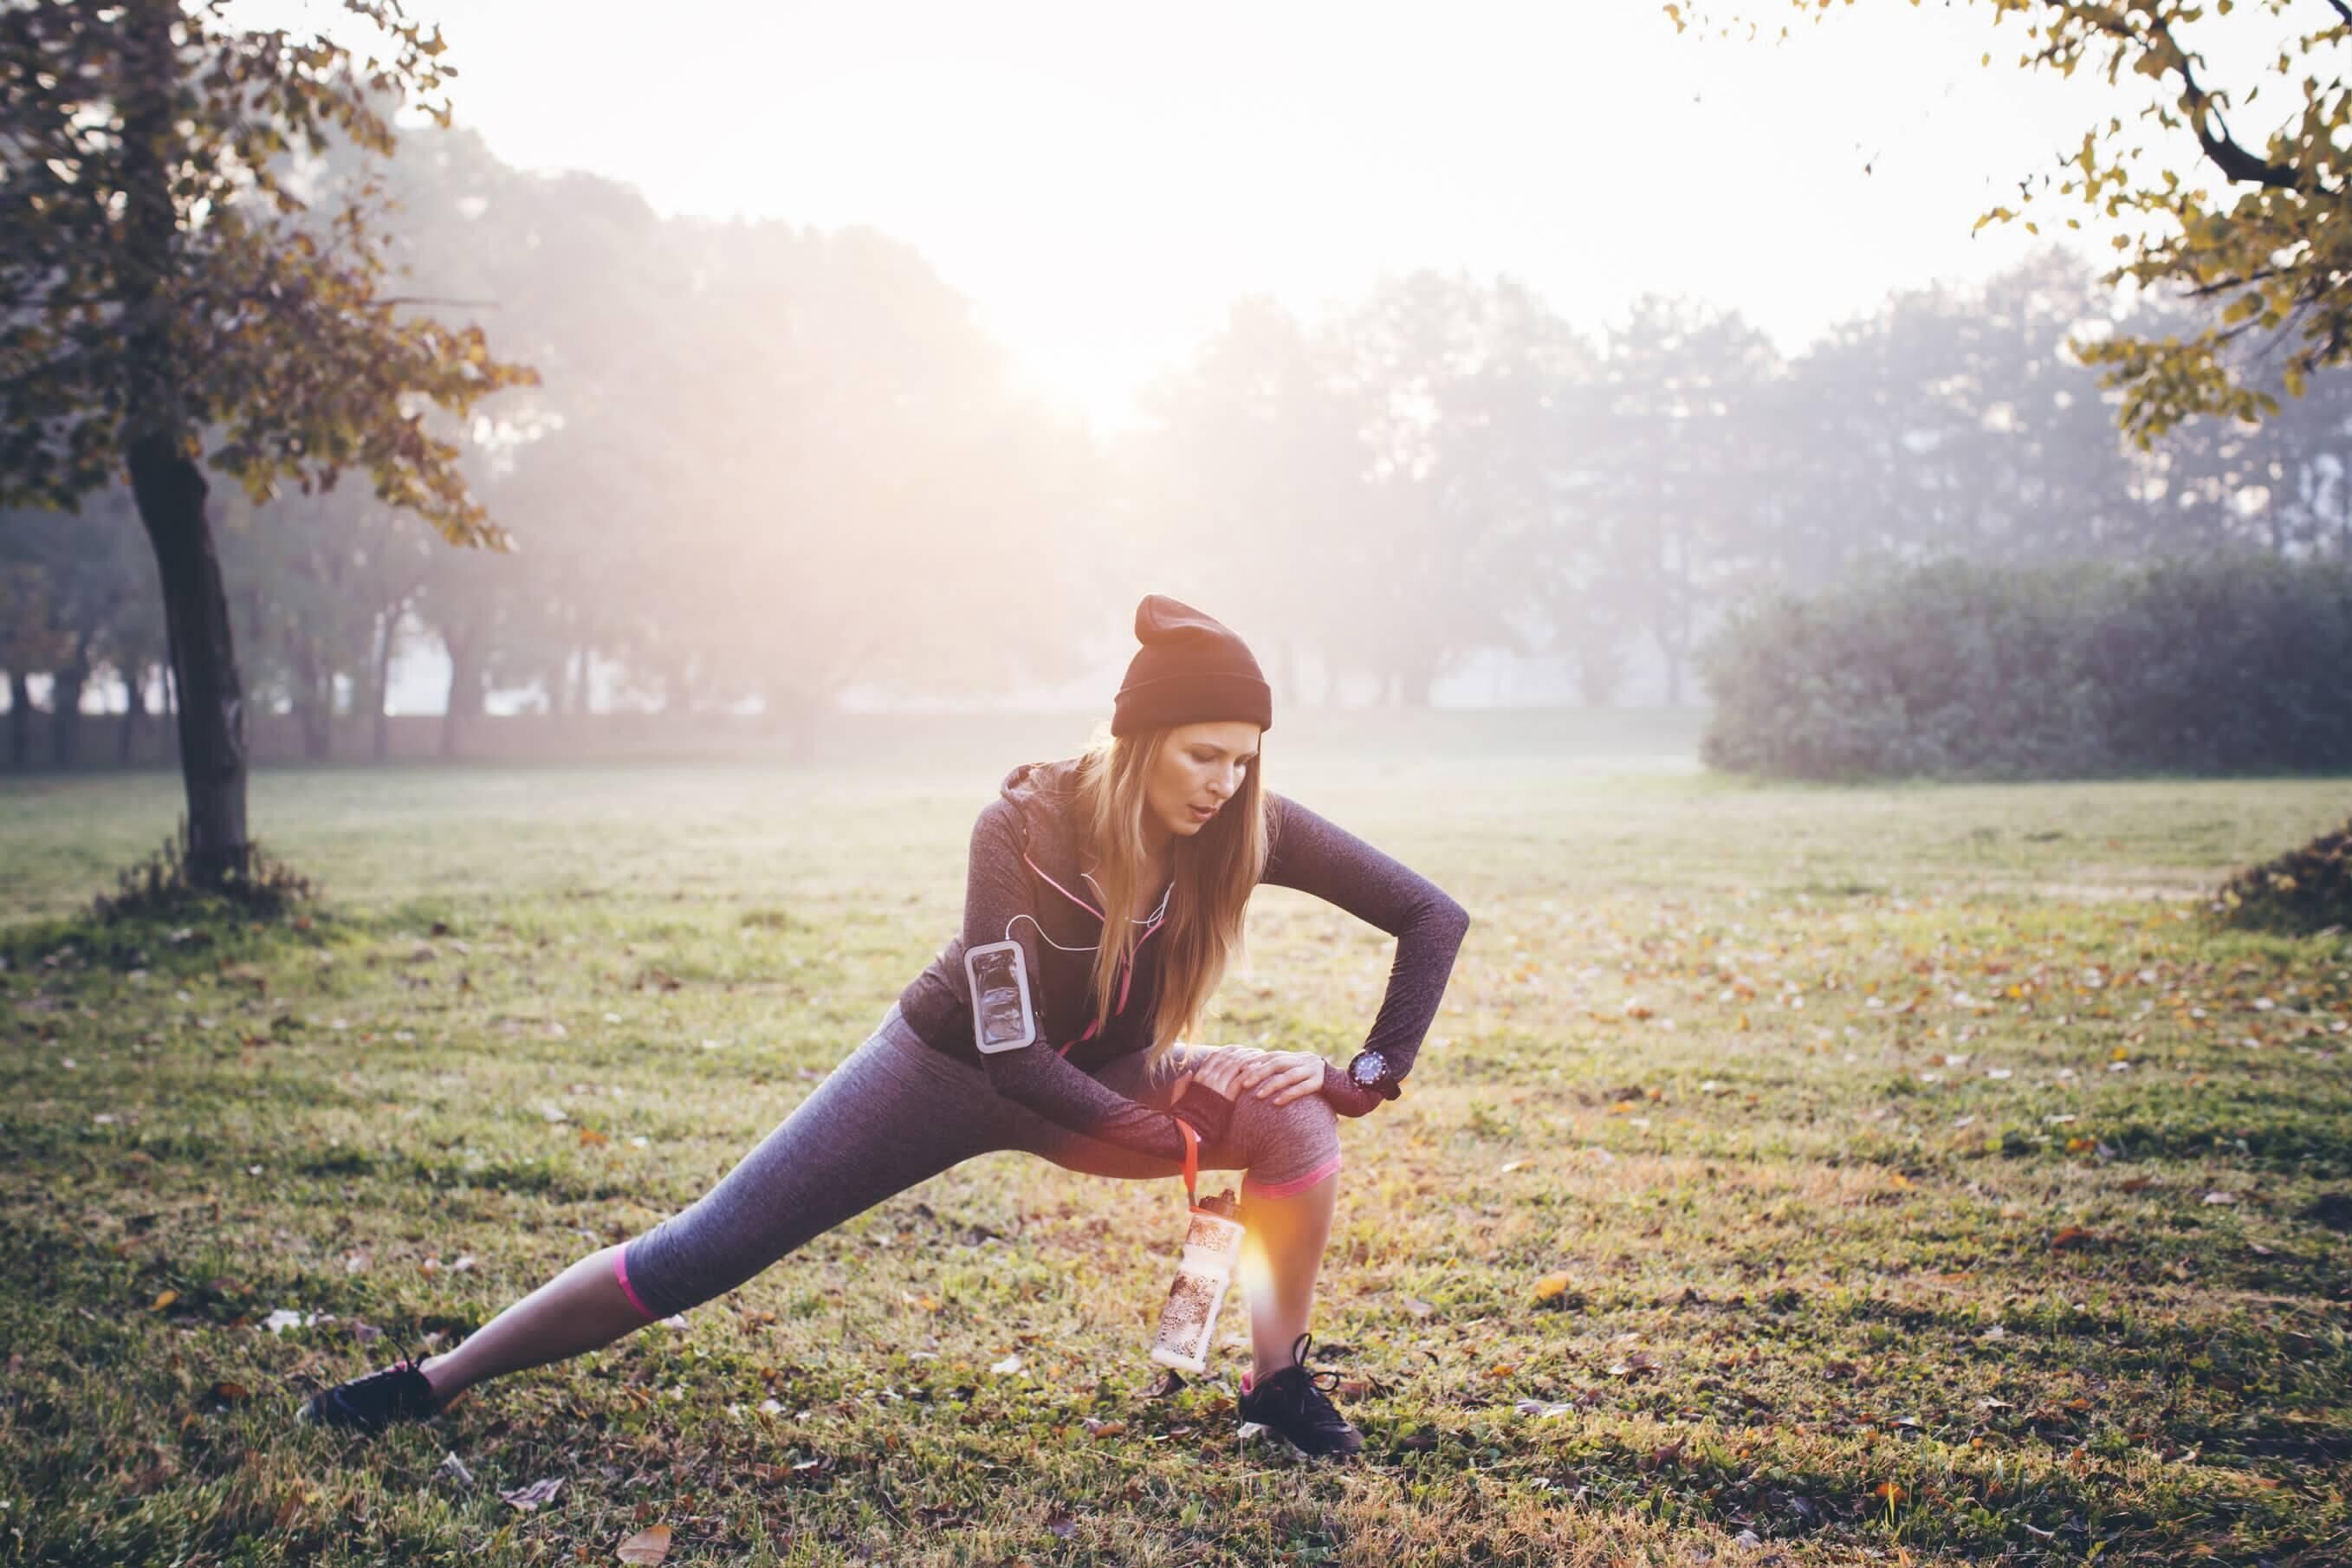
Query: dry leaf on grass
[
  {"x": 646, "y": 1546},
  {"x": 529, "y": 1499}
]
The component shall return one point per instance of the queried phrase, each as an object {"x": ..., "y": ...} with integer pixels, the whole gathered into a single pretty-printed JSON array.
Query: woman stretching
[{"x": 1104, "y": 895}]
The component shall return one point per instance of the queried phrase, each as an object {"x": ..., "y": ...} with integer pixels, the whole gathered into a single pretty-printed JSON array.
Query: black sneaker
[
  {"x": 1297, "y": 1404},
  {"x": 369, "y": 1405}
]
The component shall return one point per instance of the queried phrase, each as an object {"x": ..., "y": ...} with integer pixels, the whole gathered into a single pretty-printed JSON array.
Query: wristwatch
[{"x": 1370, "y": 1070}]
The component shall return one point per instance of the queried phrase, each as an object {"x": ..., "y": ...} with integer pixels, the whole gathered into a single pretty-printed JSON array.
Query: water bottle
[{"x": 1212, "y": 1246}]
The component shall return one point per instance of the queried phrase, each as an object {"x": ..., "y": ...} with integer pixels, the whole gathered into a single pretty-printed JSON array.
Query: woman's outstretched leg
[
  {"x": 893, "y": 1114},
  {"x": 581, "y": 1309}
]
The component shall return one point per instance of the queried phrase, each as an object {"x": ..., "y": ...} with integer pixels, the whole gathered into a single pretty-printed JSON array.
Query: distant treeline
[
  {"x": 765, "y": 465},
  {"x": 2241, "y": 665}
]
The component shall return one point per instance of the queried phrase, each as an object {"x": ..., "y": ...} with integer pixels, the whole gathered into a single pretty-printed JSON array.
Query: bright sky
[{"x": 1101, "y": 181}]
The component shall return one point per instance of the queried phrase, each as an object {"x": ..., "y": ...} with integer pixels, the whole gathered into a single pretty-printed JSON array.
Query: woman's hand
[
  {"x": 1279, "y": 1076},
  {"x": 1219, "y": 1070}
]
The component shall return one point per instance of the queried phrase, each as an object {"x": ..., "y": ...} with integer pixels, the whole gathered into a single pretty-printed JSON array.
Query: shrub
[
  {"x": 1955, "y": 670},
  {"x": 2304, "y": 890},
  {"x": 159, "y": 889}
]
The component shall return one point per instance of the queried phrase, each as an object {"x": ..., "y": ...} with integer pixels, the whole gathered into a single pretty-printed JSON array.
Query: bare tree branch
[{"x": 2221, "y": 147}]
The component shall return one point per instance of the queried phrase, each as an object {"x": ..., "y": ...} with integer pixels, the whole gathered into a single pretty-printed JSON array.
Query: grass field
[{"x": 1792, "y": 1176}]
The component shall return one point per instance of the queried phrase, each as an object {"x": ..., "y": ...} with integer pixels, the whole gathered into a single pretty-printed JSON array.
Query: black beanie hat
[{"x": 1189, "y": 668}]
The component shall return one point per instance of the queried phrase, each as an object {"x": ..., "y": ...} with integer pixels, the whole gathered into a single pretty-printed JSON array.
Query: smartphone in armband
[{"x": 1004, "y": 1018}]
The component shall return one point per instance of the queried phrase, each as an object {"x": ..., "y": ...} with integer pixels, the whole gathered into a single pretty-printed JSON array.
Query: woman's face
[{"x": 1200, "y": 768}]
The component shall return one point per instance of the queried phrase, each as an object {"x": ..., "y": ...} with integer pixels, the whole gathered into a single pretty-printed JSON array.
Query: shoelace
[
  {"x": 407, "y": 1363},
  {"x": 410, "y": 1362},
  {"x": 1315, "y": 1388}
]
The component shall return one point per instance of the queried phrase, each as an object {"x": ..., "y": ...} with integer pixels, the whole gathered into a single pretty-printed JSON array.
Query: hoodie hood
[{"x": 1045, "y": 797}]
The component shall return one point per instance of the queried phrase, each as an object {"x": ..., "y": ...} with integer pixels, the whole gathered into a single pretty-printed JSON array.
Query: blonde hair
[{"x": 1213, "y": 870}]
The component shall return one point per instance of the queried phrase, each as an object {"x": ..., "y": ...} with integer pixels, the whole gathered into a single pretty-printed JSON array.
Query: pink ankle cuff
[
  {"x": 1254, "y": 1188},
  {"x": 620, "y": 1273}
]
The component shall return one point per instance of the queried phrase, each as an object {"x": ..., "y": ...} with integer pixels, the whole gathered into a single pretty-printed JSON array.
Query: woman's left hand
[{"x": 1279, "y": 1076}]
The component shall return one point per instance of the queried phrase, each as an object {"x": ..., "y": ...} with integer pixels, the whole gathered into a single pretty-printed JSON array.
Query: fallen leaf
[
  {"x": 163, "y": 1300},
  {"x": 529, "y": 1499},
  {"x": 647, "y": 1546},
  {"x": 1417, "y": 1307},
  {"x": 2072, "y": 1236},
  {"x": 232, "y": 1392},
  {"x": 1006, "y": 1367},
  {"x": 455, "y": 1468},
  {"x": 1551, "y": 1286},
  {"x": 2221, "y": 1197},
  {"x": 1104, "y": 1428},
  {"x": 591, "y": 1139},
  {"x": 1062, "y": 1525}
]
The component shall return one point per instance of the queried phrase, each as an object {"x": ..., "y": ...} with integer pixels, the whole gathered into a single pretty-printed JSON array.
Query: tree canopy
[
  {"x": 302, "y": 360},
  {"x": 2272, "y": 247}
]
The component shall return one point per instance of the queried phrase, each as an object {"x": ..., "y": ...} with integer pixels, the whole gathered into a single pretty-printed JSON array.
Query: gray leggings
[{"x": 896, "y": 1113}]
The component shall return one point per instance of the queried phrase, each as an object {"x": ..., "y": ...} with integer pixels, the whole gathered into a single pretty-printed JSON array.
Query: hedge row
[{"x": 2241, "y": 665}]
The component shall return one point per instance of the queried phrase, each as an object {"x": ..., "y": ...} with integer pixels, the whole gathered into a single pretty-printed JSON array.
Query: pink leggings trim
[
  {"x": 1254, "y": 1188},
  {"x": 620, "y": 1273}
]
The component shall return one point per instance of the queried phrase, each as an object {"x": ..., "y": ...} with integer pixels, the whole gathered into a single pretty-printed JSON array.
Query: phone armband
[{"x": 1003, "y": 1018}]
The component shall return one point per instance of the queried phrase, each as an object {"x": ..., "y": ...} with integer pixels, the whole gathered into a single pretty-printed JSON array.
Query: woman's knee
[{"x": 1284, "y": 1147}]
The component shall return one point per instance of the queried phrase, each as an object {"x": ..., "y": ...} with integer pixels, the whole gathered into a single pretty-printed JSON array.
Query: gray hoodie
[{"x": 1025, "y": 884}]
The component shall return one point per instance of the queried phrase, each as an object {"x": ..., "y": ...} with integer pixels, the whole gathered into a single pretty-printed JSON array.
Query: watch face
[{"x": 1368, "y": 1068}]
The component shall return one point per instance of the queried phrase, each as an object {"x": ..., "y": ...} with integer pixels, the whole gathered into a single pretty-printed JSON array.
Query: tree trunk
[
  {"x": 314, "y": 699},
  {"x": 65, "y": 709},
  {"x": 164, "y": 483},
  {"x": 465, "y": 692},
  {"x": 167, "y": 737},
  {"x": 211, "y": 701},
  {"x": 20, "y": 720},
  {"x": 380, "y": 680},
  {"x": 795, "y": 713},
  {"x": 134, "y": 708},
  {"x": 570, "y": 690}
]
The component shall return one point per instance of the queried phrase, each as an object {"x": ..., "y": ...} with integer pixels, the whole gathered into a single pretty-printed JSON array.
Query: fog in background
[{"x": 886, "y": 362}]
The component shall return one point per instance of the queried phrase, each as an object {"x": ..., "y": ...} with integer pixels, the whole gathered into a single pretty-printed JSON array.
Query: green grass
[{"x": 1703, "y": 1162}]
